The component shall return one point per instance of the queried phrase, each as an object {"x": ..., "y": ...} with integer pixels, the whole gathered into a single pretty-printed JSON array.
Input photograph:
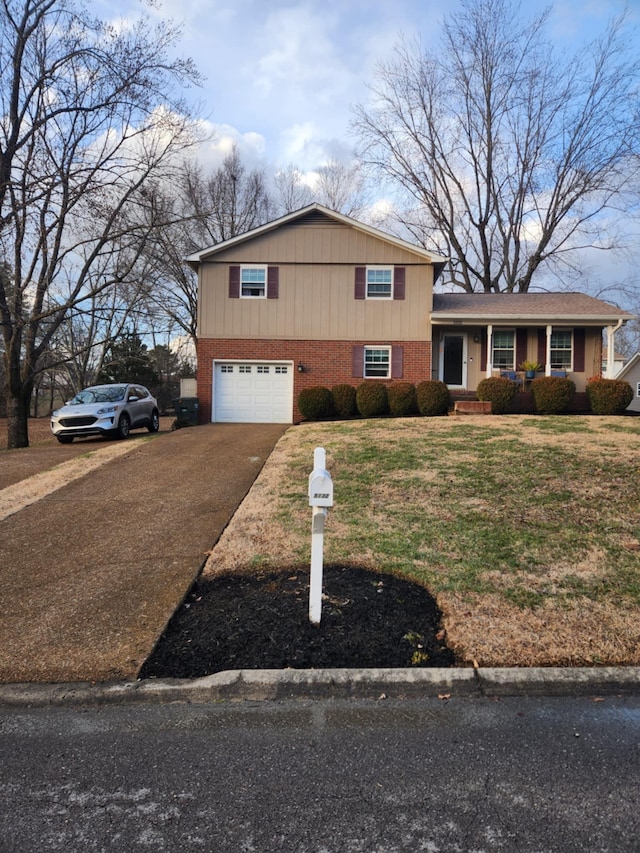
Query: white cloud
[{"x": 220, "y": 139}]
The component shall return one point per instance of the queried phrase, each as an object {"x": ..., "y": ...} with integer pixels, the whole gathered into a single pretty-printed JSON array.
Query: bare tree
[
  {"x": 291, "y": 190},
  {"x": 342, "y": 187},
  {"x": 197, "y": 211},
  {"x": 89, "y": 116},
  {"x": 507, "y": 157},
  {"x": 336, "y": 185}
]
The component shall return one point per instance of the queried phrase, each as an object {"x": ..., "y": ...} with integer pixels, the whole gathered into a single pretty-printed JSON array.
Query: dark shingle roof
[{"x": 525, "y": 306}]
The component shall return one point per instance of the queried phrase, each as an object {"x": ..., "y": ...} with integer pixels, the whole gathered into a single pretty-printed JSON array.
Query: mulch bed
[{"x": 262, "y": 622}]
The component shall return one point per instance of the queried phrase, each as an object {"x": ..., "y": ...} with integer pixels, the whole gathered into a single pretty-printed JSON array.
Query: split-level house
[{"x": 318, "y": 298}]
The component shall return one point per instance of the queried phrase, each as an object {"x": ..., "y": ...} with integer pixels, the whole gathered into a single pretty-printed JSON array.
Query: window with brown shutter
[
  {"x": 234, "y": 282},
  {"x": 273, "y": 278},
  {"x": 398, "y": 282}
]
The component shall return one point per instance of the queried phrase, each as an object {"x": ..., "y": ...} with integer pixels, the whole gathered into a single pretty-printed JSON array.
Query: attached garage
[{"x": 253, "y": 392}]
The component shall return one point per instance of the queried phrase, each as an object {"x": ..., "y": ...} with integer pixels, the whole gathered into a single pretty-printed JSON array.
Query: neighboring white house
[
  {"x": 618, "y": 362},
  {"x": 631, "y": 374}
]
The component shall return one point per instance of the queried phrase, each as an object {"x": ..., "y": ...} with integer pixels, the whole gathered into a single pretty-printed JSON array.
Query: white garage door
[{"x": 253, "y": 392}]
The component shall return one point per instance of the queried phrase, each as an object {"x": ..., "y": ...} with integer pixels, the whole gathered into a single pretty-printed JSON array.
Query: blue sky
[{"x": 282, "y": 75}]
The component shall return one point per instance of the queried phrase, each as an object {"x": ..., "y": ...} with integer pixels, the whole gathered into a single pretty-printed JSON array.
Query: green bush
[
  {"x": 552, "y": 394},
  {"x": 433, "y": 397},
  {"x": 609, "y": 396},
  {"x": 498, "y": 391},
  {"x": 372, "y": 400},
  {"x": 315, "y": 403},
  {"x": 344, "y": 400},
  {"x": 402, "y": 399}
]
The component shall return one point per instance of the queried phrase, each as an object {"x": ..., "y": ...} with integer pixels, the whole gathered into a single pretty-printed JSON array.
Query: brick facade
[{"x": 325, "y": 363}]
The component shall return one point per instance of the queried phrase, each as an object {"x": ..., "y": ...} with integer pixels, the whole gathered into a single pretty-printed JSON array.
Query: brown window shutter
[
  {"x": 361, "y": 283},
  {"x": 273, "y": 278},
  {"x": 398, "y": 282},
  {"x": 358, "y": 361},
  {"x": 483, "y": 350},
  {"x": 397, "y": 355},
  {"x": 578, "y": 350},
  {"x": 542, "y": 347},
  {"x": 521, "y": 347},
  {"x": 234, "y": 282}
]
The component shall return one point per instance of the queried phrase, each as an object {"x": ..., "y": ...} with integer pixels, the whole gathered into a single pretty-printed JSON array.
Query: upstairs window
[
  {"x": 503, "y": 357},
  {"x": 379, "y": 282},
  {"x": 253, "y": 282},
  {"x": 562, "y": 350}
]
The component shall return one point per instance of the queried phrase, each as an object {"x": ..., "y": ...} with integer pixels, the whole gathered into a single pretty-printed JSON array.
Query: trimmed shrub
[
  {"x": 315, "y": 403},
  {"x": 498, "y": 391},
  {"x": 609, "y": 396},
  {"x": 372, "y": 400},
  {"x": 344, "y": 400},
  {"x": 433, "y": 397},
  {"x": 402, "y": 399},
  {"x": 552, "y": 394}
]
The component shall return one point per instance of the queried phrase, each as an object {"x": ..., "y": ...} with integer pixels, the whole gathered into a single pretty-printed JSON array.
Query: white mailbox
[{"x": 320, "y": 483}]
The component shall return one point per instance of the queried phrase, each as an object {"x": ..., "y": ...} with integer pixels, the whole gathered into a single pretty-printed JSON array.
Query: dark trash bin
[{"x": 186, "y": 409}]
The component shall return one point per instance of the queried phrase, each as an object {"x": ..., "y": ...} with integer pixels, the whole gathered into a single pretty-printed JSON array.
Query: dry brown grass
[{"x": 526, "y": 529}]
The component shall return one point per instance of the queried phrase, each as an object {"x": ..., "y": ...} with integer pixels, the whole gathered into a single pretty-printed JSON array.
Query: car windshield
[{"x": 103, "y": 394}]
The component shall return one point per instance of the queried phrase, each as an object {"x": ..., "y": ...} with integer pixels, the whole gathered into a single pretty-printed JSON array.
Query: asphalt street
[{"x": 459, "y": 774}]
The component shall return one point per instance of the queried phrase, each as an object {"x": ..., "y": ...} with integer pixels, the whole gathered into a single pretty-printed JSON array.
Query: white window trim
[
  {"x": 568, "y": 368},
  {"x": 493, "y": 348},
  {"x": 244, "y": 267},
  {"x": 374, "y": 347},
  {"x": 366, "y": 282}
]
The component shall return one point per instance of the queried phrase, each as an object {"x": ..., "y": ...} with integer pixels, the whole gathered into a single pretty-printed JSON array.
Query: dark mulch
[{"x": 262, "y": 622}]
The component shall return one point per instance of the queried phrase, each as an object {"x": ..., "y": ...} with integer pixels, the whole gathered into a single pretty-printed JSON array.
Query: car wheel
[
  {"x": 65, "y": 439},
  {"x": 154, "y": 424},
  {"x": 124, "y": 426}
]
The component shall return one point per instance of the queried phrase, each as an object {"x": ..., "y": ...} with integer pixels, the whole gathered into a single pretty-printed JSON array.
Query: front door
[{"x": 453, "y": 359}]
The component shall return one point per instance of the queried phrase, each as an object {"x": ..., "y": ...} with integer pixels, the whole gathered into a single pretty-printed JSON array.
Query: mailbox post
[{"x": 320, "y": 498}]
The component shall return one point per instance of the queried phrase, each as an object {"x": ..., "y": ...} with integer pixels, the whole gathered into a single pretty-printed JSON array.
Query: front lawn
[{"x": 526, "y": 529}]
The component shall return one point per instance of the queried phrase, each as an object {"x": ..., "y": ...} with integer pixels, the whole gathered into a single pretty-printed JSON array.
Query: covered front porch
[{"x": 475, "y": 336}]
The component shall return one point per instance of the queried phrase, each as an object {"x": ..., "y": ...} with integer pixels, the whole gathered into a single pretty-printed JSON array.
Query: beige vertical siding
[{"x": 315, "y": 302}]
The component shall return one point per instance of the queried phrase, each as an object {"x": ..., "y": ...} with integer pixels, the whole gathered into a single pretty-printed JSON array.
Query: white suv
[{"x": 106, "y": 409}]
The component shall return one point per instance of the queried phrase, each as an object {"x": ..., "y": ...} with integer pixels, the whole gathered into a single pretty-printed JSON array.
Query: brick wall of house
[{"x": 325, "y": 363}]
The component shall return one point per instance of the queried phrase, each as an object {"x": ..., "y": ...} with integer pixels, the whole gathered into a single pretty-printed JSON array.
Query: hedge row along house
[{"x": 318, "y": 298}]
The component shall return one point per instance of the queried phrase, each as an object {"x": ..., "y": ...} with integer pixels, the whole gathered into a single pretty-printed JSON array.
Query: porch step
[{"x": 472, "y": 407}]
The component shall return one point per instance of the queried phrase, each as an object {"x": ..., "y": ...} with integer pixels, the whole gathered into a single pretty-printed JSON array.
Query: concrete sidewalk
[{"x": 91, "y": 574}]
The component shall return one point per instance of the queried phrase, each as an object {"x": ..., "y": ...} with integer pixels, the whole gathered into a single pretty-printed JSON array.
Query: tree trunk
[{"x": 18, "y": 416}]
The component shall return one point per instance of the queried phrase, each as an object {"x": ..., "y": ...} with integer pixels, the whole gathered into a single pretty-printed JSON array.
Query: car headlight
[
  {"x": 105, "y": 410},
  {"x": 55, "y": 413}
]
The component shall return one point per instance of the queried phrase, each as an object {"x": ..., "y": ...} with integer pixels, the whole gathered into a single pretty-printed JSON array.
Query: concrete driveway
[{"x": 91, "y": 573}]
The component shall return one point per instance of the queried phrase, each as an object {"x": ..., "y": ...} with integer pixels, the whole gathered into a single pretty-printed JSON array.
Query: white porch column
[
  {"x": 610, "y": 370},
  {"x": 547, "y": 359},
  {"x": 489, "y": 350}
]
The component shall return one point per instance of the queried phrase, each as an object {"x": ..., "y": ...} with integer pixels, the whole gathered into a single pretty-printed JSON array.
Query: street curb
[{"x": 265, "y": 685}]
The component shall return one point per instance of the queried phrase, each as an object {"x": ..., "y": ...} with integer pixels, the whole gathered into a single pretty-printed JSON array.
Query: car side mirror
[{"x": 133, "y": 399}]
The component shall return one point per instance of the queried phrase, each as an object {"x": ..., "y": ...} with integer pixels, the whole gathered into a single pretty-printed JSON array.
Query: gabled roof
[
  {"x": 530, "y": 308},
  {"x": 197, "y": 257},
  {"x": 628, "y": 367}
]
